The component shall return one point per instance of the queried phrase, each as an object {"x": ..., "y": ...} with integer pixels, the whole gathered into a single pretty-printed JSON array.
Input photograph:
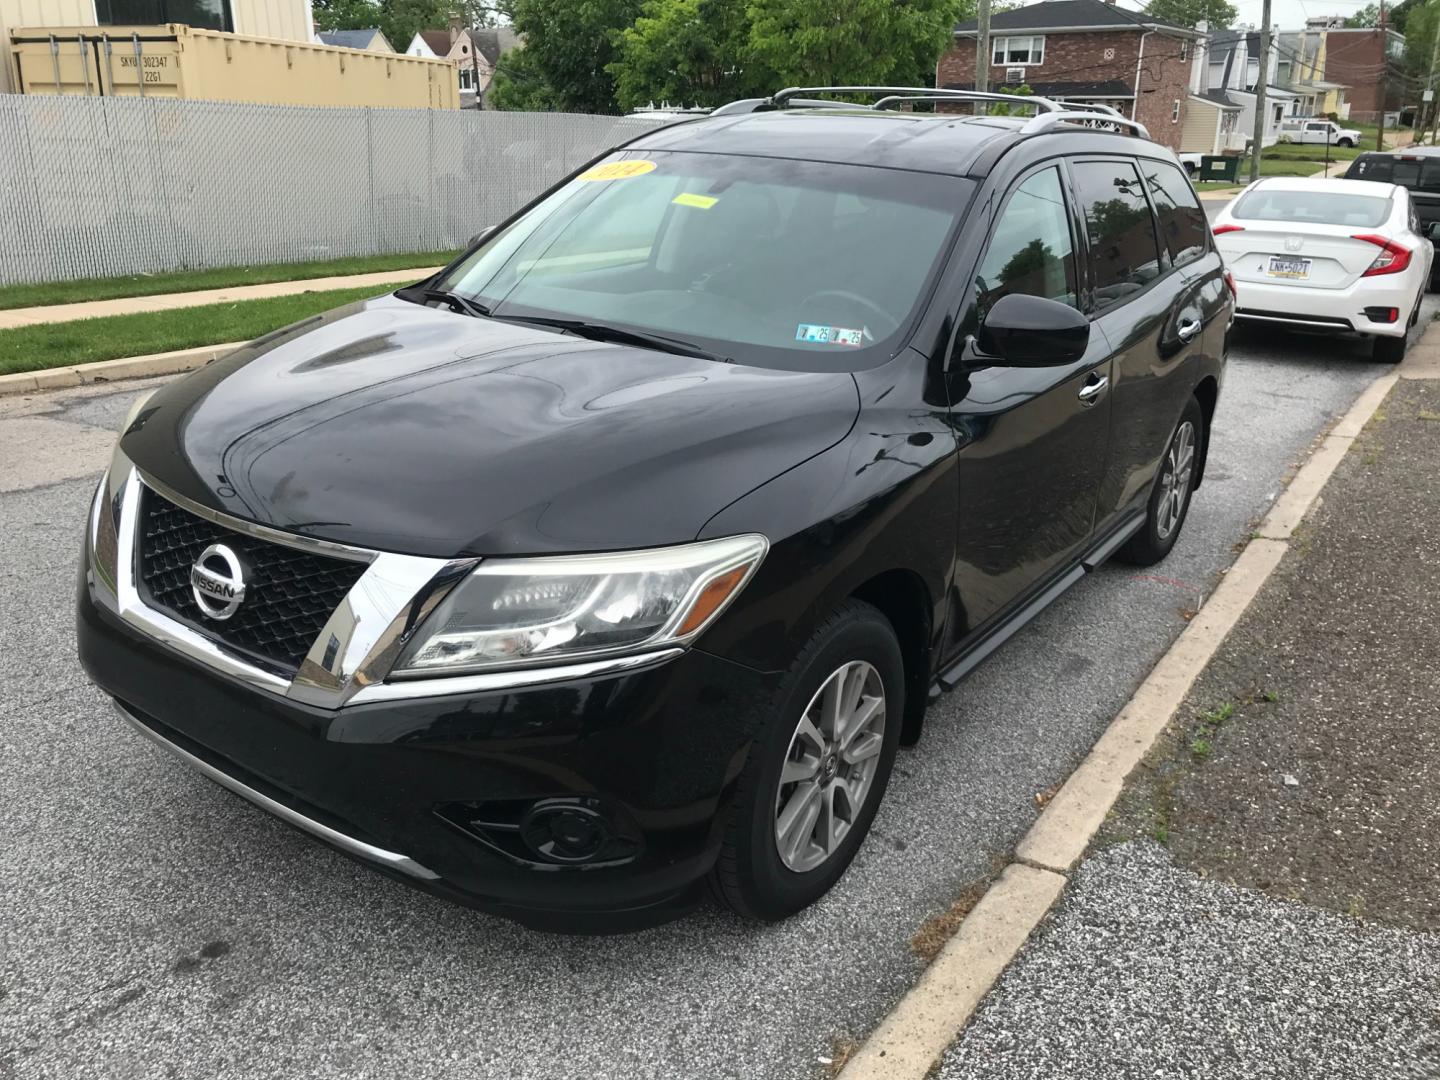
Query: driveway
[{"x": 155, "y": 926}]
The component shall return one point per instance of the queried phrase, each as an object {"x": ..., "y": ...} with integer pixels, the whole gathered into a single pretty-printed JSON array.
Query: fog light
[
  {"x": 564, "y": 831},
  {"x": 1382, "y": 314}
]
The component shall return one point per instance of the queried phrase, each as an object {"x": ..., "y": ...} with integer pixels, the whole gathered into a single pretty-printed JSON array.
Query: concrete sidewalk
[
  {"x": 130, "y": 305},
  {"x": 1265, "y": 899}
]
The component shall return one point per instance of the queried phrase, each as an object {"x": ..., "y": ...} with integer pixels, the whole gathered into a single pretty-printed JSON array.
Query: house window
[
  {"x": 466, "y": 79},
  {"x": 1019, "y": 50},
  {"x": 1175, "y": 112},
  {"x": 1184, "y": 49},
  {"x": 207, "y": 14}
]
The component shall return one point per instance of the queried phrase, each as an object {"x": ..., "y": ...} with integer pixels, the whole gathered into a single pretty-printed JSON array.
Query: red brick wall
[
  {"x": 1354, "y": 58},
  {"x": 1164, "y": 77}
]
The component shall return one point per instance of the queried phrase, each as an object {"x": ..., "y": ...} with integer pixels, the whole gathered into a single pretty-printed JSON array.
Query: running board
[{"x": 948, "y": 679}]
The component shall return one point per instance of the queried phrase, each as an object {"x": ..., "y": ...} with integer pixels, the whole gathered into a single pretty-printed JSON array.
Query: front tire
[
  {"x": 817, "y": 770},
  {"x": 1346, "y": 143},
  {"x": 1170, "y": 496}
]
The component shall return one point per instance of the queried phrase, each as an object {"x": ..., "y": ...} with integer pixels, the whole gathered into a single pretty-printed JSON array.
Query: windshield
[
  {"x": 763, "y": 260},
  {"x": 1318, "y": 207}
]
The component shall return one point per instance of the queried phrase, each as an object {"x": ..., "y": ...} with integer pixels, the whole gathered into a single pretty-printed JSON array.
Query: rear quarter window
[{"x": 1183, "y": 225}]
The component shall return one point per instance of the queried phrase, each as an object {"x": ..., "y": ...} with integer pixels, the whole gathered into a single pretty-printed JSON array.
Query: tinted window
[
  {"x": 1182, "y": 222},
  {"x": 1030, "y": 251},
  {"x": 211, "y": 14},
  {"x": 1319, "y": 206},
  {"x": 1414, "y": 172},
  {"x": 1124, "y": 256}
]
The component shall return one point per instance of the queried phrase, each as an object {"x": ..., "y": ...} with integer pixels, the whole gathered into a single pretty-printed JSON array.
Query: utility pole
[
  {"x": 1262, "y": 73},
  {"x": 1384, "y": 79},
  {"x": 982, "y": 52},
  {"x": 1430, "y": 82}
]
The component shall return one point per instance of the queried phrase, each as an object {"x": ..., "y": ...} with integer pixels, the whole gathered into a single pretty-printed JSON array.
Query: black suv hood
[{"x": 405, "y": 428}]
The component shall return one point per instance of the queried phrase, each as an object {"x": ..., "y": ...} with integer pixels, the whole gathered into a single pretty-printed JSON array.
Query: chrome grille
[{"x": 290, "y": 593}]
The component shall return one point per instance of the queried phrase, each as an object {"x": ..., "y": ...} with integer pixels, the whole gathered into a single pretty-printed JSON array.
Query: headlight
[{"x": 512, "y": 612}]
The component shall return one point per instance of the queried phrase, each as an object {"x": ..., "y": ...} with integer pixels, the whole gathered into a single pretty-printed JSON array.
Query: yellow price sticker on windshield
[
  {"x": 703, "y": 202},
  {"x": 617, "y": 170}
]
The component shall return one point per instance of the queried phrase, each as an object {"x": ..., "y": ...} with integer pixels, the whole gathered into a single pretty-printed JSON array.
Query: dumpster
[
  {"x": 178, "y": 61},
  {"x": 1219, "y": 167}
]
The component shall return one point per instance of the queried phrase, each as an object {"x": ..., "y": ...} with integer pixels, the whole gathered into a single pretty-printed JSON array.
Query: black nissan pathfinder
[{"x": 616, "y": 560}]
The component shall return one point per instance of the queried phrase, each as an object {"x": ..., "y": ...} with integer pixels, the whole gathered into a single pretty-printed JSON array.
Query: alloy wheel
[
  {"x": 830, "y": 766},
  {"x": 1175, "y": 480}
]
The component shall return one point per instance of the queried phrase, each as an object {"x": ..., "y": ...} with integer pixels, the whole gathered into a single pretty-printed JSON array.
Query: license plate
[{"x": 1295, "y": 269}]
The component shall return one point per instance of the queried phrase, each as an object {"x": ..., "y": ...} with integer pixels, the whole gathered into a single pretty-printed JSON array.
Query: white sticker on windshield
[{"x": 828, "y": 335}]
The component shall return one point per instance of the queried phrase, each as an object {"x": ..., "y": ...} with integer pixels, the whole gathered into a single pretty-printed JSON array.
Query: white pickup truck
[{"x": 1302, "y": 130}]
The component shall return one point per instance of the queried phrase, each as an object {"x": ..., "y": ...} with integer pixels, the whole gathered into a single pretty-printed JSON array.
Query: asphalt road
[{"x": 154, "y": 926}]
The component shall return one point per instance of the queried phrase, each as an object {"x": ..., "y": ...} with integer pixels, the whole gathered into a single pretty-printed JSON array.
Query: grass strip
[
  {"x": 74, "y": 292},
  {"x": 85, "y": 341}
]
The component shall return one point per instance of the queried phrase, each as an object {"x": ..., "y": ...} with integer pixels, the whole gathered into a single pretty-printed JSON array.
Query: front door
[{"x": 1032, "y": 441}]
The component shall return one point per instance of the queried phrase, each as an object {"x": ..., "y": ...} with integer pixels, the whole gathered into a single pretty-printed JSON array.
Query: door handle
[
  {"x": 1093, "y": 388},
  {"x": 1188, "y": 330}
]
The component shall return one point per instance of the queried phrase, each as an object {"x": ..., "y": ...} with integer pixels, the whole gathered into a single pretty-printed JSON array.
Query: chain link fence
[{"x": 98, "y": 187}]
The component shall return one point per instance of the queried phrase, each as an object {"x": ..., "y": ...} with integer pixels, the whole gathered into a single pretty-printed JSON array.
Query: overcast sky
[{"x": 1284, "y": 14}]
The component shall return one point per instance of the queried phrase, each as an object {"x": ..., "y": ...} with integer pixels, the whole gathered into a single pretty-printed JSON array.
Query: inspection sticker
[
  {"x": 702, "y": 202},
  {"x": 828, "y": 335},
  {"x": 617, "y": 170}
]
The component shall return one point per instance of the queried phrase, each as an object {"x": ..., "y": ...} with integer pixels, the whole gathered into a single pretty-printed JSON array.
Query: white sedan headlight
[{"x": 514, "y": 612}]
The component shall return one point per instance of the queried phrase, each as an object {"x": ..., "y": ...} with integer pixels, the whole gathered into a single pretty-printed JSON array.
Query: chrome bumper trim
[
  {"x": 394, "y": 860},
  {"x": 1286, "y": 320}
]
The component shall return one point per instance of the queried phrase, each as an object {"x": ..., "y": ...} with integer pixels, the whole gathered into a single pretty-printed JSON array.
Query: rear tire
[
  {"x": 767, "y": 870},
  {"x": 1389, "y": 350},
  {"x": 1170, "y": 495}
]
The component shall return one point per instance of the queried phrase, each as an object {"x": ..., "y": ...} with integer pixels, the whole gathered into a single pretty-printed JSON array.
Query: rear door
[{"x": 1150, "y": 311}]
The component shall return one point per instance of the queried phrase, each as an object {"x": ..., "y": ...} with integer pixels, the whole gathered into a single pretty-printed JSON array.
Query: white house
[{"x": 1221, "y": 114}]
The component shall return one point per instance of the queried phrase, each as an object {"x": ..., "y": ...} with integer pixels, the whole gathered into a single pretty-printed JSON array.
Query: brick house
[
  {"x": 1085, "y": 51},
  {"x": 1363, "y": 60}
]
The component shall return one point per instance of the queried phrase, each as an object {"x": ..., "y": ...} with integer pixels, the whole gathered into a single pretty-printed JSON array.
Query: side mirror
[
  {"x": 1433, "y": 230},
  {"x": 481, "y": 235},
  {"x": 1029, "y": 331}
]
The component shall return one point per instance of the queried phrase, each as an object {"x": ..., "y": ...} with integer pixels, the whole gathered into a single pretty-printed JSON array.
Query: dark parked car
[
  {"x": 621, "y": 556},
  {"x": 1417, "y": 169}
]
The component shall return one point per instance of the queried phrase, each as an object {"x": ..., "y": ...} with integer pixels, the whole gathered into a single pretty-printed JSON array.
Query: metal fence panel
[{"x": 99, "y": 187}]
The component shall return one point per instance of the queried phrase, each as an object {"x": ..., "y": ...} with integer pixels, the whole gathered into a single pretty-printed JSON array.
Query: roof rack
[
  {"x": 1049, "y": 113},
  {"x": 1047, "y": 120},
  {"x": 889, "y": 92},
  {"x": 1041, "y": 103}
]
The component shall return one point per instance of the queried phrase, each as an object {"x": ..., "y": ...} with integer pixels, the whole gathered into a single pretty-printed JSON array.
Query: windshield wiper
[
  {"x": 463, "y": 304},
  {"x": 621, "y": 336}
]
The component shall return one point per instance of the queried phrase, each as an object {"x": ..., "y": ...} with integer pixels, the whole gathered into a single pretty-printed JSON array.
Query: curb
[
  {"x": 910, "y": 1041},
  {"x": 130, "y": 367}
]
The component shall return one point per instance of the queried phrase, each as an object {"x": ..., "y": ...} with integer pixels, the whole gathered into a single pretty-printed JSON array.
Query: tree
[
  {"x": 1367, "y": 16},
  {"x": 347, "y": 15},
  {"x": 688, "y": 52},
  {"x": 839, "y": 42},
  {"x": 568, "y": 46},
  {"x": 1217, "y": 14},
  {"x": 520, "y": 87}
]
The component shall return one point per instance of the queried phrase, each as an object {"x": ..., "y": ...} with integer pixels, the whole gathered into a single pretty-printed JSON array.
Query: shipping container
[{"x": 177, "y": 61}]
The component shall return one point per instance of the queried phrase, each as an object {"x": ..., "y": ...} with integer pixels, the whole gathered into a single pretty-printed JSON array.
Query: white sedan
[{"x": 1346, "y": 255}]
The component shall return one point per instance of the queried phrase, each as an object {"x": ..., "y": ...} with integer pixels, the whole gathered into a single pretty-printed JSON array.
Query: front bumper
[{"x": 432, "y": 790}]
